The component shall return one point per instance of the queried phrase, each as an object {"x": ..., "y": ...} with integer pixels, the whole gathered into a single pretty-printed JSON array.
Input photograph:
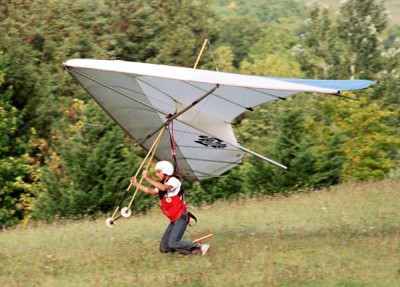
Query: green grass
[{"x": 348, "y": 235}]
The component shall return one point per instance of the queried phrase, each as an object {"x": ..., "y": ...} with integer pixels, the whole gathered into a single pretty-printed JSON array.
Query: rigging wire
[{"x": 211, "y": 48}]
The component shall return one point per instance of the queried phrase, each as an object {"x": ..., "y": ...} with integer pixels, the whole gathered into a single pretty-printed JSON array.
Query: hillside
[{"x": 345, "y": 236}]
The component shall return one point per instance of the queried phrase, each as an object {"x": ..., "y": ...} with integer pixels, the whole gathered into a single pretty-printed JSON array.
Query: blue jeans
[{"x": 171, "y": 240}]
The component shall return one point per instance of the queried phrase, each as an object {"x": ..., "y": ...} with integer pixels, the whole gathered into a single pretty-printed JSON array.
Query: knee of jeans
[{"x": 164, "y": 250}]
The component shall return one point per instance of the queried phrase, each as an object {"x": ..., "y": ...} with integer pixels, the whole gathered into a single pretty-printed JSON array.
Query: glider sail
[{"x": 141, "y": 97}]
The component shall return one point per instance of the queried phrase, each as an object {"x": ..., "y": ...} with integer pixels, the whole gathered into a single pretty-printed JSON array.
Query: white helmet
[{"x": 166, "y": 167}]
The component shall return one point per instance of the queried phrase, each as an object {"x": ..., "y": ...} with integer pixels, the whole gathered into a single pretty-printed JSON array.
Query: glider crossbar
[{"x": 174, "y": 116}]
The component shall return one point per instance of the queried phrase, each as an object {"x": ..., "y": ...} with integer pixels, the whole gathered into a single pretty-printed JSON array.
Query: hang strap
[
  {"x": 173, "y": 150},
  {"x": 189, "y": 216}
]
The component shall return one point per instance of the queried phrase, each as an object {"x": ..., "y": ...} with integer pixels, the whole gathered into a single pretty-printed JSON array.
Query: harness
[{"x": 174, "y": 206}]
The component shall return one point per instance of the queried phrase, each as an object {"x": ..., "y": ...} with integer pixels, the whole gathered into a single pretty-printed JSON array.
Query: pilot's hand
[
  {"x": 134, "y": 181},
  {"x": 145, "y": 174}
]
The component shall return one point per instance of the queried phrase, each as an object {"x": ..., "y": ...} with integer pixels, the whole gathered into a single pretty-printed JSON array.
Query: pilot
[{"x": 168, "y": 188}]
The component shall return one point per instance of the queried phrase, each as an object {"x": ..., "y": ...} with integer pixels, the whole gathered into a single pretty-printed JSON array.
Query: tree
[
  {"x": 349, "y": 47},
  {"x": 267, "y": 12},
  {"x": 88, "y": 168},
  {"x": 367, "y": 59},
  {"x": 296, "y": 138},
  {"x": 271, "y": 55},
  {"x": 320, "y": 52},
  {"x": 17, "y": 176},
  {"x": 387, "y": 90},
  {"x": 239, "y": 33},
  {"x": 369, "y": 144},
  {"x": 359, "y": 24},
  {"x": 167, "y": 32}
]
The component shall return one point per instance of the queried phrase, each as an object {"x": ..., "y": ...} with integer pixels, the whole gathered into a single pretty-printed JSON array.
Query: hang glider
[{"x": 142, "y": 97}]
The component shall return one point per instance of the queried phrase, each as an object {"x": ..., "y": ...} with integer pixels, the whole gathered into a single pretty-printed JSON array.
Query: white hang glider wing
[{"x": 140, "y": 96}]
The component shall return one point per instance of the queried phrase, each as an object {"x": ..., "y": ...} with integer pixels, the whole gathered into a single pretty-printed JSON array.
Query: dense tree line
[{"x": 61, "y": 156}]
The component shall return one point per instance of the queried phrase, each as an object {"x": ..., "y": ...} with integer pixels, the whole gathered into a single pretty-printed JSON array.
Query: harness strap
[
  {"x": 189, "y": 216},
  {"x": 178, "y": 174}
]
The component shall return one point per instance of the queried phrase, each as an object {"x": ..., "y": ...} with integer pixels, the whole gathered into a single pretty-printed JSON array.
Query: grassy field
[{"x": 348, "y": 235}]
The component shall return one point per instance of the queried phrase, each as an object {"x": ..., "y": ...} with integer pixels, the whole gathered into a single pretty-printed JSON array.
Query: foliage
[
  {"x": 17, "y": 176},
  {"x": 242, "y": 23},
  {"x": 230, "y": 186},
  {"x": 309, "y": 150},
  {"x": 270, "y": 11},
  {"x": 387, "y": 92},
  {"x": 320, "y": 53},
  {"x": 239, "y": 33},
  {"x": 271, "y": 54},
  {"x": 87, "y": 170},
  {"x": 67, "y": 157},
  {"x": 346, "y": 46},
  {"x": 369, "y": 145},
  {"x": 359, "y": 24},
  {"x": 369, "y": 126},
  {"x": 163, "y": 26}
]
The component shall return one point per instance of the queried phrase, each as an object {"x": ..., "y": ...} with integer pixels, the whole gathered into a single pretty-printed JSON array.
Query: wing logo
[{"x": 211, "y": 142}]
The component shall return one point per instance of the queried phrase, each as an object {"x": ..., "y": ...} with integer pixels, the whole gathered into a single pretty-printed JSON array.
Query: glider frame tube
[
  {"x": 262, "y": 157},
  {"x": 177, "y": 114}
]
